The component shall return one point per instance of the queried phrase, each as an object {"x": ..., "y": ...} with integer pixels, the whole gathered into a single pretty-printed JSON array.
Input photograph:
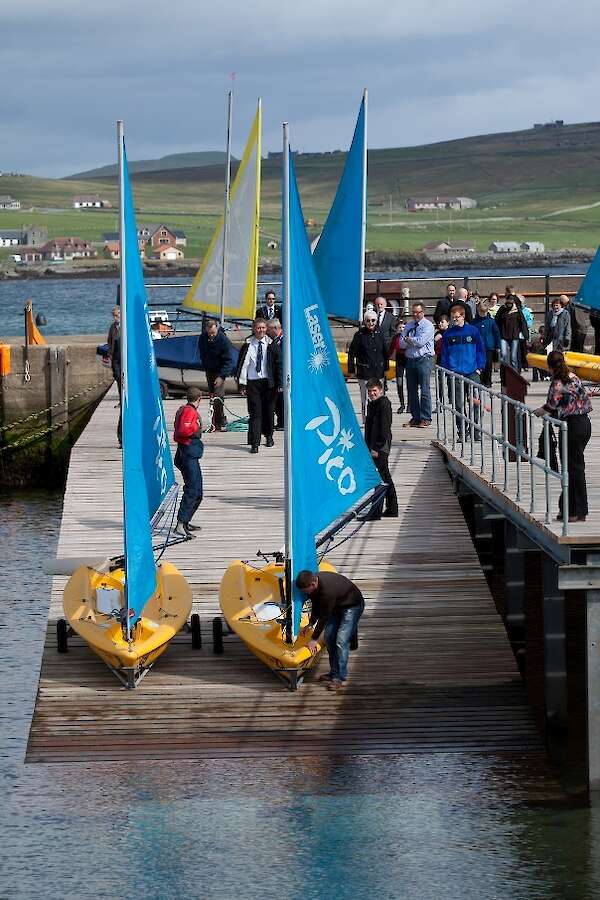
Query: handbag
[{"x": 552, "y": 448}]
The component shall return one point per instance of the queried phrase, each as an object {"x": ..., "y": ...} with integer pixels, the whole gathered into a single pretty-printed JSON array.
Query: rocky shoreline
[{"x": 375, "y": 261}]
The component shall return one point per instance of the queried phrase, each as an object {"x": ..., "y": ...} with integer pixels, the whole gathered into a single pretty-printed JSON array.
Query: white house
[
  {"x": 170, "y": 253},
  {"x": 505, "y": 247},
  {"x": 449, "y": 247},
  {"x": 426, "y": 204},
  {"x": 90, "y": 201},
  {"x": 10, "y": 238},
  {"x": 7, "y": 202},
  {"x": 532, "y": 247}
]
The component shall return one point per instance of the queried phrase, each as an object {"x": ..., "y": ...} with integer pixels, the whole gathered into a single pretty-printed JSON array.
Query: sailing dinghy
[
  {"x": 329, "y": 474},
  {"x": 128, "y": 611},
  {"x": 225, "y": 284}
]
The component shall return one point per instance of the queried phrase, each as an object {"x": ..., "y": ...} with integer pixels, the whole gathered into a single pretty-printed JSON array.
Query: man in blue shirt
[
  {"x": 463, "y": 352},
  {"x": 417, "y": 341}
]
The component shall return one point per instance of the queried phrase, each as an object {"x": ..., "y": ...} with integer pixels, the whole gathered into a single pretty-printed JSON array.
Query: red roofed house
[{"x": 68, "y": 248}]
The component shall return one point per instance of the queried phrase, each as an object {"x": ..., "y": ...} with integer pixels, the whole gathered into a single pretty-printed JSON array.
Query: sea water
[
  {"x": 83, "y": 305},
  {"x": 425, "y": 826},
  {"x": 448, "y": 826}
]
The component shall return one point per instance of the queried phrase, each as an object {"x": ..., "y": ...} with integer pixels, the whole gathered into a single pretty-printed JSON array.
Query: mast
[
  {"x": 361, "y": 286},
  {"x": 123, "y": 335},
  {"x": 226, "y": 209},
  {"x": 287, "y": 382}
]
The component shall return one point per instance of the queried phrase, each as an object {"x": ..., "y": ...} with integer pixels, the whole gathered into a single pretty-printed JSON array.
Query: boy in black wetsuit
[{"x": 378, "y": 437}]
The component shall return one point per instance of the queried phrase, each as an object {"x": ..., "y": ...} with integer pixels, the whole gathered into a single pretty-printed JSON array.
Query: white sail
[{"x": 242, "y": 244}]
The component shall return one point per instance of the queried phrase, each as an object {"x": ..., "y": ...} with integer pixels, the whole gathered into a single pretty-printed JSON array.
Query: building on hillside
[
  {"x": 28, "y": 255},
  {"x": 34, "y": 235},
  {"x": 532, "y": 247},
  {"x": 449, "y": 247},
  {"x": 68, "y": 248},
  {"x": 156, "y": 235},
  {"x": 505, "y": 247},
  {"x": 90, "y": 201},
  {"x": 7, "y": 202},
  {"x": 112, "y": 248},
  {"x": 10, "y": 238},
  {"x": 426, "y": 204},
  {"x": 161, "y": 236},
  {"x": 29, "y": 235},
  {"x": 169, "y": 254}
]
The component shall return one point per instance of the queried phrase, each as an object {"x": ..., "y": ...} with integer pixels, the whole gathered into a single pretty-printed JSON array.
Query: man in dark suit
[
  {"x": 270, "y": 310},
  {"x": 276, "y": 334},
  {"x": 386, "y": 322},
  {"x": 337, "y": 605}
]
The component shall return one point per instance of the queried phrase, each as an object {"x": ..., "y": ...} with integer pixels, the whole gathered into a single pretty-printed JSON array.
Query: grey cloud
[{"x": 434, "y": 70}]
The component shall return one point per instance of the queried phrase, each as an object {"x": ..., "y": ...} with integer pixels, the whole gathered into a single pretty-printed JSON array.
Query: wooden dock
[
  {"x": 434, "y": 670},
  {"x": 478, "y": 467}
]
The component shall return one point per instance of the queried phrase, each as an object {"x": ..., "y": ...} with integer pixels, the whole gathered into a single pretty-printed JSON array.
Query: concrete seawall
[{"x": 45, "y": 403}]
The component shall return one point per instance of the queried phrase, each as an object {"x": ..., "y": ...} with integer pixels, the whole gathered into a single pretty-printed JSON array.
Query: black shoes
[
  {"x": 254, "y": 449},
  {"x": 181, "y": 530},
  {"x": 279, "y": 428},
  {"x": 189, "y": 527},
  {"x": 270, "y": 442},
  {"x": 389, "y": 515}
]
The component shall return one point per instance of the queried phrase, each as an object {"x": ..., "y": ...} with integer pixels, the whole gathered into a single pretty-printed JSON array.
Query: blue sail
[
  {"x": 148, "y": 476},
  {"x": 340, "y": 253},
  {"x": 589, "y": 289},
  {"x": 330, "y": 469}
]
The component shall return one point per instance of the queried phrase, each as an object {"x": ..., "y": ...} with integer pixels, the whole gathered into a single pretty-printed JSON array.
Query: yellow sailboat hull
[
  {"x": 244, "y": 591},
  {"x": 164, "y": 615},
  {"x": 343, "y": 361},
  {"x": 585, "y": 365}
]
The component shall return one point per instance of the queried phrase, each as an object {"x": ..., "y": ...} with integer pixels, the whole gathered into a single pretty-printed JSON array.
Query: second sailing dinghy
[
  {"x": 129, "y": 613},
  {"x": 329, "y": 473}
]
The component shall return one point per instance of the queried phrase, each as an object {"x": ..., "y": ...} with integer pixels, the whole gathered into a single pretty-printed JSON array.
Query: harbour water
[
  {"x": 83, "y": 305},
  {"x": 423, "y": 826}
]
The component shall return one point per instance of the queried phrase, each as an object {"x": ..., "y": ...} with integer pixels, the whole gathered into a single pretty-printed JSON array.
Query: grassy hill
[
  {"x": 173, "y": 161},
  {"x": 539, "y": 184}
]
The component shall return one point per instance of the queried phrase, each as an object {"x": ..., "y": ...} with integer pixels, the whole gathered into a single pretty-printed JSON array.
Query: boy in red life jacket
[{"x": 188, "y": 437}]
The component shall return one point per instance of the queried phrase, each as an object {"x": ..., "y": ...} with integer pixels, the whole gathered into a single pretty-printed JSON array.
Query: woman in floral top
[{"x": 569, "y": 401}]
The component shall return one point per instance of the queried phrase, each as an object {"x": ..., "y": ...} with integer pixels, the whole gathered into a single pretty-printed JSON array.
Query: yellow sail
[{"x": 242, "y": 255}]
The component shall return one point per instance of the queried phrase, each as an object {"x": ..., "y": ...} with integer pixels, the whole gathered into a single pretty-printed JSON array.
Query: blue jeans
[
  {"x": 339, "y": 631},
  {"x": 189, "y": 466},
  {"x": 510, "y": 353},
  {"x": 418, "y": 382}
]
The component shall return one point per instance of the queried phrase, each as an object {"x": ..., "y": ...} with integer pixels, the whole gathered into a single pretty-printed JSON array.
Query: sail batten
[
  {"x": 229, "y": 269},
  {"x": 148, "y": 476},
  {"x": 328, "y": 464}
]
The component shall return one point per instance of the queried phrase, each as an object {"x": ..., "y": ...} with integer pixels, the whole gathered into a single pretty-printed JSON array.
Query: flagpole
[
  {"x": 363, "y": 245},
  {"x": 123, "y": 333},
  {"x": 226, "y": 209},
  {"x": 287, "y": 383}
]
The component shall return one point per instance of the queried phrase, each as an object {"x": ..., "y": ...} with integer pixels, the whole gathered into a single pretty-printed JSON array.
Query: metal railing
[{"x": 491, "y": 430}]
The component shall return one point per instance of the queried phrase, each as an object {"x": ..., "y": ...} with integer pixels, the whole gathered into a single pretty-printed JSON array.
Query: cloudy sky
[{"x": 435, "y": 69}]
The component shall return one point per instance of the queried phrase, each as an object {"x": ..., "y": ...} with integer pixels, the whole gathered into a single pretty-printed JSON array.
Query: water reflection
[{"x": 413, "y": 826}]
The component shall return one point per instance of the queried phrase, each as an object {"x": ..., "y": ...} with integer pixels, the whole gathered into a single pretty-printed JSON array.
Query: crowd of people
[{"x": 468, "y": 334}]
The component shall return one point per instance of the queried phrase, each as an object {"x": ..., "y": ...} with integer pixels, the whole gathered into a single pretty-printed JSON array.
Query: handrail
[{"x": 479, "y": 414}]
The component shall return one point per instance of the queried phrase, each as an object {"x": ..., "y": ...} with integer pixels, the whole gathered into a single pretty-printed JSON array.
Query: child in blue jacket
[{"x": 490, "y": 335}]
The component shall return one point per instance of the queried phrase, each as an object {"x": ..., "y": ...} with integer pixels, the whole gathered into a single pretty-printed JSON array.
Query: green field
[{"x": 525, "y": 183}]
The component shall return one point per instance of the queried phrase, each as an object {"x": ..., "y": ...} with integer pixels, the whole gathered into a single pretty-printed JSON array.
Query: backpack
[{"x": 186, "y": 424}]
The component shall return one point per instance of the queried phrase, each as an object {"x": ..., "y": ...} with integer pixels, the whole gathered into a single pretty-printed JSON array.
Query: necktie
[
  {"x": 259, "y": 358},
  {"x": 380, "y": 318}
]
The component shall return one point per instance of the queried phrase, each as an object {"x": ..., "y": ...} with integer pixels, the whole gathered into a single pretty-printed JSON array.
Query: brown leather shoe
[{"x": 335, "y": 685}]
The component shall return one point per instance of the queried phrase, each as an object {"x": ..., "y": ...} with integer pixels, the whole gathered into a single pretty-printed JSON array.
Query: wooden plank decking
[{"x": 434, "y": 670}]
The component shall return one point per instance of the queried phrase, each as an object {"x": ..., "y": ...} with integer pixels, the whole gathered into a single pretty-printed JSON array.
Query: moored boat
[
  {"x": 127, "y": 611},
  {"x": 330, "y": 477}
]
